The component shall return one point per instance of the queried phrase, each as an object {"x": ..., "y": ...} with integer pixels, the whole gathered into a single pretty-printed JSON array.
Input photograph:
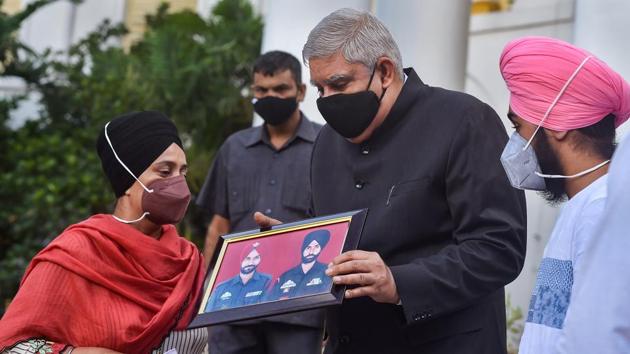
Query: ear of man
[
  {"x": 386, "y": 70},
  {"x": 301, "y": 92}
]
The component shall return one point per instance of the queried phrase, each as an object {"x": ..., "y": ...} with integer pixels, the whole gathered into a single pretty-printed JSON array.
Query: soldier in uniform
[
  {"x": 246, "y": 288},
  {"x": 309, "y": 276}
]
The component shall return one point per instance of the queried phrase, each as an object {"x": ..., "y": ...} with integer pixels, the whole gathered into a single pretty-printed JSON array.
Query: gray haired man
[{"x": 445, "y": 230}]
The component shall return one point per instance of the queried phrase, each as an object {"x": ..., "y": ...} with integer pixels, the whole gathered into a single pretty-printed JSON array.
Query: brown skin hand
[
  {"x": 571, "y": 159},
  {"x": 263, "y": 221},
  {"x": 171, "y": 163},
  {"x": 281, "y": 85},
  {"x": 333, "y": 75},
  {"x": 368, "y": 272}
]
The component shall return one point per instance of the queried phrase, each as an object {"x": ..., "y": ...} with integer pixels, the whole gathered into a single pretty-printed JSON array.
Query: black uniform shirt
[
  {"x": 233, "y": 293},
  {"x": 294, "y": 282},
  {"x": 249, "y": 174},
  {"x": 442, "y": 215}
]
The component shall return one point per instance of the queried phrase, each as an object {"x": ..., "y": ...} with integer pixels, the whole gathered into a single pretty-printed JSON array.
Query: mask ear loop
[
  {"x": 555, "y": 101},
  {"x": 131, "y": 173},
  {"x": 131, "y": 221},
  {"x": 371, "y": 76},
  {"x": 575, "y": 175},
  {"x": 122, "y": 163},
  {"x": 370, "y": 82}
]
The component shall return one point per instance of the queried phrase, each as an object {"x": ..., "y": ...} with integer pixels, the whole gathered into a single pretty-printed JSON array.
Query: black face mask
[
  {"x": 350, "y": 114},
  {"x": 274, "y": 110}
]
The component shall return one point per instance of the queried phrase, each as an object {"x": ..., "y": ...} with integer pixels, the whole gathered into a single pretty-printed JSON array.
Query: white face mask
[
  {"x": 519, "y": 159},
  {"x": 521, "y": 165}
]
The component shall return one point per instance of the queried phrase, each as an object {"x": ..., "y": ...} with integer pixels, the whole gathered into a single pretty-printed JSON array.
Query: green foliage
[
  {"x": 514, "y": 323},
  {"x": 52, "y": 183},
  {"x": 196, "y": 71}
]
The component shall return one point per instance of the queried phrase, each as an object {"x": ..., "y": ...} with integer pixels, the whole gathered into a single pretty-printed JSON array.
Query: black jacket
[{"x": 442, "y": 215}]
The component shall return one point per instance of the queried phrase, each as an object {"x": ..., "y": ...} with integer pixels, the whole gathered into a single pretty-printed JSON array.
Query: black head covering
[
  {"x": 321, "y": 236},
  {"x": 138, "y": 138}
]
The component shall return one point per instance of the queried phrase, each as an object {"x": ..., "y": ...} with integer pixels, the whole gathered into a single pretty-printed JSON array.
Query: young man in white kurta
[
  {"x": 565, "y": 105},
  {"x": 597, "y": 321},
  {"x": 561, "y": 269}
]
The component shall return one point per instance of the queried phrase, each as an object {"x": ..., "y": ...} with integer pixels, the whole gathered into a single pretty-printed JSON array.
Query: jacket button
[
  {"x": 344, "y": 339},
  {"x": 416, "y": 317},
  {"x": 365, "y": 150},
  {"x": 359, "y": 184}
]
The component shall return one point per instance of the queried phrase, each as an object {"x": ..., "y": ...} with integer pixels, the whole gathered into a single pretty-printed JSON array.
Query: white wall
[
  {"x": 419, "y": 28},
  {"x": 56, "y": 27},
  {"x": 601, "y": 27},
  {"x": 49, "y": 27}
]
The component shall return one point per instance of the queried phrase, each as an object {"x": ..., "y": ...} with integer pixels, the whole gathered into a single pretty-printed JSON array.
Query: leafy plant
[{"x": 514, "y": 317}]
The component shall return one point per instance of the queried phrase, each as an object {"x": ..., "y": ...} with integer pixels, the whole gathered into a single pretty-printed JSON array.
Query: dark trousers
[{"x": 265, "y": 338}]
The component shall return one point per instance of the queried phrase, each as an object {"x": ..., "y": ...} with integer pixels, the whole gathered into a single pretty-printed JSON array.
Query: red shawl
[{"x": 102, "y": 283}]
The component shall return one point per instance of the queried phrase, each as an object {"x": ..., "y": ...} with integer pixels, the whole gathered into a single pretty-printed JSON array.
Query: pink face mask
[
  {"x": 168, "y": 201},
  {"x": 164, "y": 201}
]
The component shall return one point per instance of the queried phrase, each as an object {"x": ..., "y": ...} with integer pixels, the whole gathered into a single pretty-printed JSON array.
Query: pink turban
[{"x": 536, "y": 68}]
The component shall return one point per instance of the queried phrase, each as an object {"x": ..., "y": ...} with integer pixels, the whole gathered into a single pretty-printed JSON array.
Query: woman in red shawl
[{"x": 125, "y": 282}]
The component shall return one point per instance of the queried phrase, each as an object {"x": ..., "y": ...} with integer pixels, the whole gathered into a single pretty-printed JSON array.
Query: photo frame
[{"x": 277, "y": 270}]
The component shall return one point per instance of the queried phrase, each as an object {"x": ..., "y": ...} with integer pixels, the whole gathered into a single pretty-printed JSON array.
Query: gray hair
[{"x": 357, "y": 35}]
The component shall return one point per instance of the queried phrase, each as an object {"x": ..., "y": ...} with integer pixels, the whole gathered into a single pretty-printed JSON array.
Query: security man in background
[
  {"x": 246, "y": 288},
  {"x": 309, "y": 276},
  {"x": 265, "y": 168}
]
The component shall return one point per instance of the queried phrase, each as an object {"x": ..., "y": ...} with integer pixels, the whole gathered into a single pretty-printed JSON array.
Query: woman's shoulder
[{"x": 78, "y": 239}]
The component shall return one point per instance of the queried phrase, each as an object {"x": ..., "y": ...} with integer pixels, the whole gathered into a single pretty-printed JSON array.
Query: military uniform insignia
[
  {"x": 314, "y": 281},
  {"x": 287, "y": 286},
  {"x": 225, "y": 296},
  {"x": 253, "y": 293}
]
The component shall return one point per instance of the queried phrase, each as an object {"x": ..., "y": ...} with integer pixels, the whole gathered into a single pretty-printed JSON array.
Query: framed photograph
[{"x": 277, "y": 270}]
